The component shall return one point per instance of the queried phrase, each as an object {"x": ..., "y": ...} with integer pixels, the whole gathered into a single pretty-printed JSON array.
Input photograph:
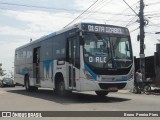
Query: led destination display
[{"x": 105, "y": 29}]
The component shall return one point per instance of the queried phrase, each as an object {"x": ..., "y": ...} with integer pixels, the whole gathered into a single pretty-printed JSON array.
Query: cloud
[
  {"x": 7, "y": 53},
  {"x": 38, "y": 23}
]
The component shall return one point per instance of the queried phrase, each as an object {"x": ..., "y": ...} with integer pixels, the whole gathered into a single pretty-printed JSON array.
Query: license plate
[{"x": 113, "y": 89}]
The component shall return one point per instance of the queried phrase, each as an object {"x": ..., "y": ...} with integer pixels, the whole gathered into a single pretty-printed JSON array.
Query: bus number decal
[{"x": 98, "y": 59}]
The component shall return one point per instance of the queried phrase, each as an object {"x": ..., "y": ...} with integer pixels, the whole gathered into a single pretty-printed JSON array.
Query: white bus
[{"x": 83, "y": 57}]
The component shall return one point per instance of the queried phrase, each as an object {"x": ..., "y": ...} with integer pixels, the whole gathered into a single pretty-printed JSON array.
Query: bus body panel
[{"x": 53, "y": 59}]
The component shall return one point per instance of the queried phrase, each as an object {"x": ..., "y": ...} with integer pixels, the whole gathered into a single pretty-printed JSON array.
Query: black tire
[
  {"x": 147, "y": 89},
  {"x": 61, "y": 88},
  {"x": 27, "y": 84},
  {"x": 28, "y": 87},
  {"x": 101, "y": 93}
]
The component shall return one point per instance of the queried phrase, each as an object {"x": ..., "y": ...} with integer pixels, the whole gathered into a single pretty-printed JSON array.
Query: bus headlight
[{"x": 87, "y": 75}]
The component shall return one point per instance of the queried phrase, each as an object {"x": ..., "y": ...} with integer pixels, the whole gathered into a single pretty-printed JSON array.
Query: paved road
[{"x": 17, "y": 99}]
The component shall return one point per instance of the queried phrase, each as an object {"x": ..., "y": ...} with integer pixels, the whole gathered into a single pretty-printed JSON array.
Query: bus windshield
[{"x": 105, "y": 51}]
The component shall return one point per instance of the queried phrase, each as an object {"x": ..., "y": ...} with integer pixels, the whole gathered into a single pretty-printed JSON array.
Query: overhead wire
[
  {"x": 131, "y": 8},
  {"x": 69, "y": 10},
  {"x": 126, "y": 9},
  {"x": 41, "y": 7},
  {"x": 81, "y": 13},
  {"x": 96, "y": 10},
  {"x": 131, "y": 21},
  {"x": 93, "y": 8},
  {"x": 150, "y": 4},
  {"x": 134, "y": 29},
  {"x": 58, "y": 9}
]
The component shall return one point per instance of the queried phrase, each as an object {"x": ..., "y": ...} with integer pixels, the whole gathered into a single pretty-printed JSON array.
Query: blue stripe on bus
[
  {"x": 48, "y": 65},
  {"x": 90, "y": 71}
]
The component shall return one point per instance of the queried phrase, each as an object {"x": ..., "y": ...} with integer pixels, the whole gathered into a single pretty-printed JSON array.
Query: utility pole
[
  {"x": 142, "y": 46},
  {"x": 143, "y": 22}
]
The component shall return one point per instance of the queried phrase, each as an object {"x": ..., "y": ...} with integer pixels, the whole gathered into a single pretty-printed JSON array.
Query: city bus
[{"x": 82, "y": 57}]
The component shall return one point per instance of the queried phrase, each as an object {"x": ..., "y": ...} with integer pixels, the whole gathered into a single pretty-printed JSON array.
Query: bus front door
[{"x": 72, "y": 55}]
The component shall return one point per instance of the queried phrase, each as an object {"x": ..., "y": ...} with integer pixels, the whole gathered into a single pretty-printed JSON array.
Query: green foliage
[{"x": 2, "y": 72}]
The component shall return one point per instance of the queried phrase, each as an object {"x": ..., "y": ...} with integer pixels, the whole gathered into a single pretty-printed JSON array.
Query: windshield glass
[{"x": 103, "y": 51}]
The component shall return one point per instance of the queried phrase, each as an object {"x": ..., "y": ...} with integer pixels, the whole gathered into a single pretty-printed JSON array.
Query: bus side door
[
  {"x": 74, "y": 61},
  {"x": 36, "y": 64}
]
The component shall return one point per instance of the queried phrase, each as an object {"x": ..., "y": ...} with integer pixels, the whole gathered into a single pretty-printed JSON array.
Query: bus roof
[{"x": 78, "y": 25}]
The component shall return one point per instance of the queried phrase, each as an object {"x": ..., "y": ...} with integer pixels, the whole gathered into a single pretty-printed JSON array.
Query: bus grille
[{"x": 108, "y": 85}]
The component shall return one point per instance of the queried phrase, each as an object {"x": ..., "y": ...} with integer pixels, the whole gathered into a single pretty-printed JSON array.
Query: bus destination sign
[{"x": 104, "y": 29}]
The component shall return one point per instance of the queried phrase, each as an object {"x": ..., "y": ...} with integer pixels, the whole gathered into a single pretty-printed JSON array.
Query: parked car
[{"x": 7, "y": 82}]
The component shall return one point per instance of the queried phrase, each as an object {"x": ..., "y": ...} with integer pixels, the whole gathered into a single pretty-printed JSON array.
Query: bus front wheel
[{"x": 101, "y": 93}]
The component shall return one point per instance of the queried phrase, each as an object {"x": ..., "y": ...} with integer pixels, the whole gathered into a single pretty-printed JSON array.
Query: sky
[{"x": 21, "y": 20}]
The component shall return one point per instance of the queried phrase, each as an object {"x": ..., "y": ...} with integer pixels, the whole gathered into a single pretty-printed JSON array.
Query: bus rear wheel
[
  {"x": 60, "y": 90},
  {"x": 28, "y": 87},
  {"x": 101, "y": 93}
]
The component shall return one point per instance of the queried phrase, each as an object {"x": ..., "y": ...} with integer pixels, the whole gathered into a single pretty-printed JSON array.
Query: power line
[
  {"x": 59, "y": 9},
  {"x": 82, "y": 13},
  {"x": 121, "y": 21},
  {"x": 97, "y": 10},
  {"x": 134, "y": 29},
  {"x": 129, "y": 23},
  {"x": 155, "y": 25},
  {"x": 94, "y": 7},
  {"x": 154, "y": 16},
  {"x": 150, "y": 33},
  {"x": 90, "y": 12},
  {"x": 155, "y": 3},
  {"x": 131, "y": 8},
  {"x": 32, "y": 6},
  {"x": 124, "y": 11}
]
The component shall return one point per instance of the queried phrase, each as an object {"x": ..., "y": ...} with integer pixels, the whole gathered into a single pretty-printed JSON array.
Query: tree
[{"x": 2, "y": 71}]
